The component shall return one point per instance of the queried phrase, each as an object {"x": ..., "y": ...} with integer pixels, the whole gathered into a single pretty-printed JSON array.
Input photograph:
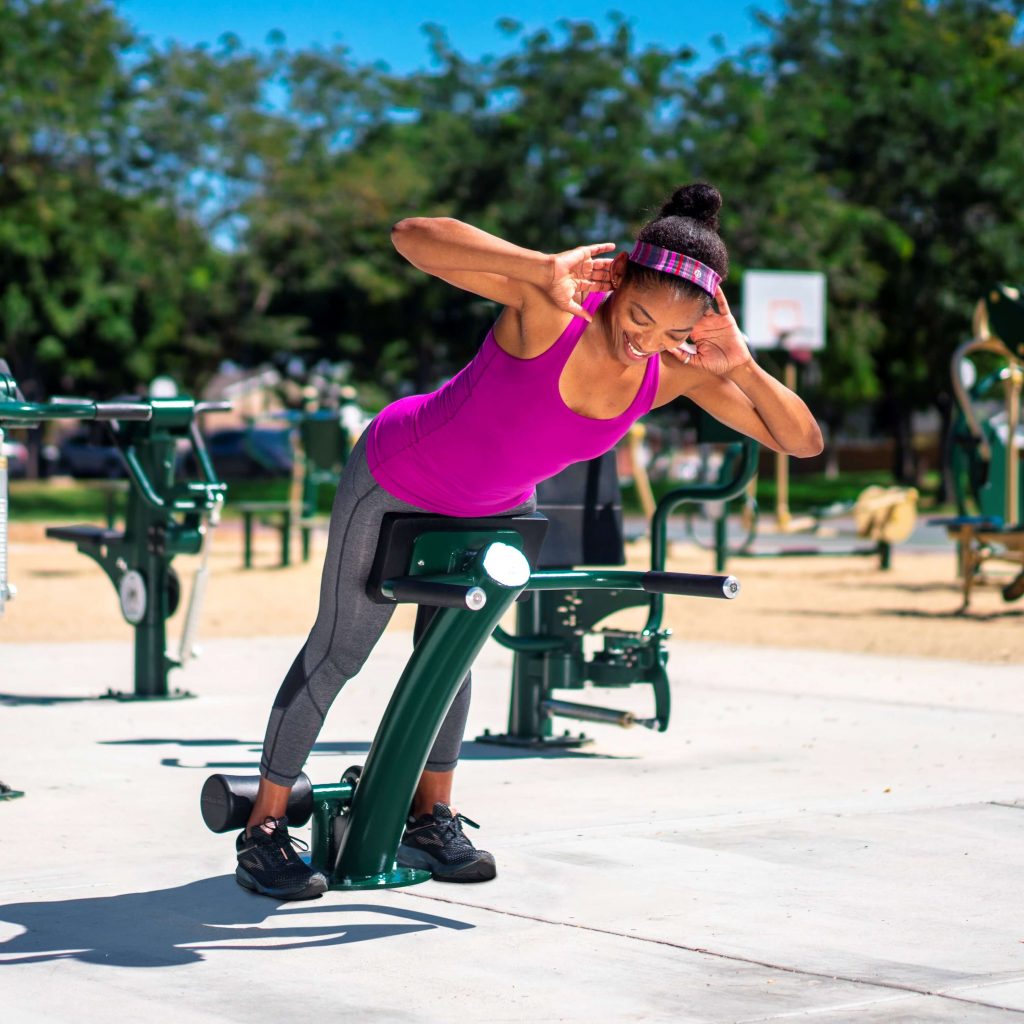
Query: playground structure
[
  {"x": 785, "y": 311},
  {"x": 882, "y": 516},
  {"x": 986, "y": 449},
  {"x": 163, "y": 518},
  {"x": 470, "y": 571}
]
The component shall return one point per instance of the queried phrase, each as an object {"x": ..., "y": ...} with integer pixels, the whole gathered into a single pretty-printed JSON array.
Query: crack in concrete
[{"x": 889, "y": 985}]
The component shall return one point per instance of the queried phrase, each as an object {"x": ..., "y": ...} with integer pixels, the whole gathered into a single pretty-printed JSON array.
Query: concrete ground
[{"x": 827, "y": 837}]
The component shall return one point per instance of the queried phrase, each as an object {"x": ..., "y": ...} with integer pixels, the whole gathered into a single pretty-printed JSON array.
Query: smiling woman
[{"x": 584, "y": 346}]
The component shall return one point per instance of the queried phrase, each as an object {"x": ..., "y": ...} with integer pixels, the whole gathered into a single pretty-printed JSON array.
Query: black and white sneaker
[
  {"x": 436, "y": 843},
  {"x": 268, "y": 864}
]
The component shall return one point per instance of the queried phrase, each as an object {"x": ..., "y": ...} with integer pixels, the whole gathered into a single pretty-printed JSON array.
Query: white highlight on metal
[
  {"x": 731, "y": 587},
  {"x": 476, "y": 598},
  {"x": 506, "y": 565}
]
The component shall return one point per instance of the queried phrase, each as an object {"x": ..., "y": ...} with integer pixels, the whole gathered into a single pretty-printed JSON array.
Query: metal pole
[
  {"x": 6, "y": 590},
  {"x": 1014, "y": 385},
  {"x": 407, "y": 731},
  {"x": 782, "y": 514}
]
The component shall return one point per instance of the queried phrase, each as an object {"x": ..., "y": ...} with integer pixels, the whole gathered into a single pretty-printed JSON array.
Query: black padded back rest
[
  {"x": 584, "y": 508},
  {"x": 399, "y": 530}
]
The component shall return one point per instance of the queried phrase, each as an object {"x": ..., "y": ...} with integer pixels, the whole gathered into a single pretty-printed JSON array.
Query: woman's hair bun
[{"x": 701, "y": 202}]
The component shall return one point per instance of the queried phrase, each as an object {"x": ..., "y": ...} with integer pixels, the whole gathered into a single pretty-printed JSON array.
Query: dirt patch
[{"x": 818, "y": 603}]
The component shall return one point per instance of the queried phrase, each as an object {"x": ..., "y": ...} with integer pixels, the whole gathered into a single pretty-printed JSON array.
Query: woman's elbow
[
  {"x": 809, "y": 447},
  {"x": 405, "y": 227}
]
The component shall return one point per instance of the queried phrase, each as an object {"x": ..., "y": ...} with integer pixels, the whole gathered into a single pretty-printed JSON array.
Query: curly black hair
[{"x": 687, "y": 224}]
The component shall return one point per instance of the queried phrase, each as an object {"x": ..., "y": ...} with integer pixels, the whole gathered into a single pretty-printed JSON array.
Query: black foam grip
[{"x": 688, "y": 584}]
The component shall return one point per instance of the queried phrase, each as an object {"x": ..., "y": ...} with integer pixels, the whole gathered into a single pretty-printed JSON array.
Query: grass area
[
  {"x": 84, "y": 500},
  {"x": 87, "y": 500},
  {"x": 807, "y": 491}
]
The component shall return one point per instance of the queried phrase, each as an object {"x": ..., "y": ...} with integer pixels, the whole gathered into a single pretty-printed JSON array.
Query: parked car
[
  {"x": 86, "y": 453},
  {"x": 239, "y": 453},
  {"x": 17, "y": 459}
]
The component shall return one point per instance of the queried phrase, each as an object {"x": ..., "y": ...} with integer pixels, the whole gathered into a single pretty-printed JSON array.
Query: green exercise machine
[
  {"x": 164, "y": 518},
  {"x": 882, "y": 516},
  {"x": 555, "y": 628},
  {"x": 471, "y": 572},
  {"x": 986, "y": 446}
]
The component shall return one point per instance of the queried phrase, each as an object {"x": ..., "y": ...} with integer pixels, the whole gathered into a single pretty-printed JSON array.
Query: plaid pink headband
[{"x": 669, "y": 262}]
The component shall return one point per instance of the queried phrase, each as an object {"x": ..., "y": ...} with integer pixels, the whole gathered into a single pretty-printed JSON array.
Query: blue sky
[{"x": 391, "y": 31}]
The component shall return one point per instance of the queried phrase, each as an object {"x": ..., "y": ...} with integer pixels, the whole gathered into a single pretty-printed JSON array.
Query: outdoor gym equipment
[
  {"x": 471, "y": 571},
  {"x": 163, "y": 518},
  {"x": 553, "y": 626},
  {"x": 882, "y": 517},
  {"x": 986, "y": 451}
]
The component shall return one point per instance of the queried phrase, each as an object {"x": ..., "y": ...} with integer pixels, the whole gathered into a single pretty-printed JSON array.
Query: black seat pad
[{"x": 399, "y": 531}]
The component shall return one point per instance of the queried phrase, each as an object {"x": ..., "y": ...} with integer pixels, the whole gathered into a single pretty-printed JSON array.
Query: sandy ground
[{"x": 825, "y": 603}]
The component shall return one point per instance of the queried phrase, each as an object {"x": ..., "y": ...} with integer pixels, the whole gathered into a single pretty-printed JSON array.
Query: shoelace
[
  {"x": 281, "y": 835},
  {"x": 452, "y": 827}
]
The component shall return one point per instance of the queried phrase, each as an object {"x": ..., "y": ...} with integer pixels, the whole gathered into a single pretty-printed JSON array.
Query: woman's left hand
[{"x": 721, "y": 345}]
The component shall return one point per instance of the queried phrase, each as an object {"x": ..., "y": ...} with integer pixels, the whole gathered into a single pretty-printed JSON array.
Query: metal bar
[
  {"x": 1014, "y": 385},
  {"x": 782, "y": 513},
  {"x": 982, "y": 342},
  {"x": 6, "y": 591},
  {"x": 589, "y": 713},
  {"x": 187, "y": 650},
  {"x": 680, "y": 583},
  {"x": 133, "y": 411},
  {"x": 527, "y": 644},
  {"x": 413, "y": 590},
  {"x": 407, "y": 731},
  {"x": 745, "y": 469},
  {"x": 688, "y": 584},
  {"x": 140, "y": 479},
  {"x": 37, "y": 412}
]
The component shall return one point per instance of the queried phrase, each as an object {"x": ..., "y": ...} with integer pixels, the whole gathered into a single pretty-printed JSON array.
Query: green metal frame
[
  {"x": 358, "y": 823},
  {"x": 163, "y": 518},
  {"x": 740, "y": 464},
  {"x": 550, "y": 629}
]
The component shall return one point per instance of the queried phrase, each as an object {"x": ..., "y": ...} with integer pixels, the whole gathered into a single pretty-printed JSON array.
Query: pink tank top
[{"x": 480, "y": 444}]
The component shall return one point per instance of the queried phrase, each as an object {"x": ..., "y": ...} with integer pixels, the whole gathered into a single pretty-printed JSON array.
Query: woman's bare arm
[{"x": 489, "y": 266}]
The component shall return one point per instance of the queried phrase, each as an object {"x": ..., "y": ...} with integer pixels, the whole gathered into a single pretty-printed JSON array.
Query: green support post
[{"x": 373, "y": 827}]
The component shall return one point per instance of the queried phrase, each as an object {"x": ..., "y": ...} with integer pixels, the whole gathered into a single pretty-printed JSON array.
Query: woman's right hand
[{"x": 576, "y": 273}]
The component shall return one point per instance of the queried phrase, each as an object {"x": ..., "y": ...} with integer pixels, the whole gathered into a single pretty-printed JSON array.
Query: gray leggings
[{"x": 348, "y": 625}]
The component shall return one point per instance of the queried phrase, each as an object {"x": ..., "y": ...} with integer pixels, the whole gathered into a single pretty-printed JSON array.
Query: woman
[{"x": 583, "y": 347}]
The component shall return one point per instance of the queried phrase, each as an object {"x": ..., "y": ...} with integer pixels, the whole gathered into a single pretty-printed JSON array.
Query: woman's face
[{"x": 644, "y": 322}]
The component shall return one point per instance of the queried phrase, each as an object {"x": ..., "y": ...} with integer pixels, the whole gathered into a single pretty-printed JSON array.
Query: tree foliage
[{"x": 162, "y": 210}]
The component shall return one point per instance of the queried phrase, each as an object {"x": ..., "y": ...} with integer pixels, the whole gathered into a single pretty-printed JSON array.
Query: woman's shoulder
[{"x": 541, "y": 325}]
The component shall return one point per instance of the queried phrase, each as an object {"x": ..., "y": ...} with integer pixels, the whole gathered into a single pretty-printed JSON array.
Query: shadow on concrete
[
  {"x": 13, "y": 700},
  {"x": 471, "y": 751},
  {"x": 167, "y": 927}
]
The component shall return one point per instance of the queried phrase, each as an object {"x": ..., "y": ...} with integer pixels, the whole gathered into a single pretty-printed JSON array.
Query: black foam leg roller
[{"x": 226, "y": 801}]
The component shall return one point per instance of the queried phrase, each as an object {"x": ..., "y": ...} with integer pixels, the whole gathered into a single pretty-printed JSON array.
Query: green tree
[{"x": 902, "y": 117}]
